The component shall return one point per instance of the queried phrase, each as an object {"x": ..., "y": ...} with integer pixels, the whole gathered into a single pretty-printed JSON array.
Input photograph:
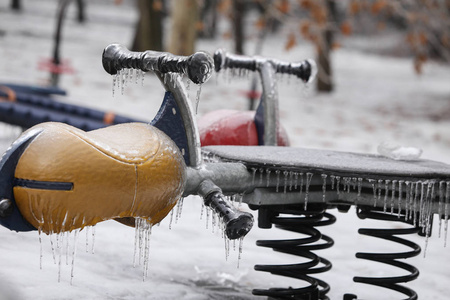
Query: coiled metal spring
[
  {"x": 303, "y": 222},
  {"x": 391, "y": 283}
]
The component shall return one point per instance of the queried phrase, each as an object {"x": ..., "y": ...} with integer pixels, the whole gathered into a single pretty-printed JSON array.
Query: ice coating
[
  {"x": 305, "y": 70},
  {"x": 125, "y": 169},
  {"x": 198, "y": 67},
  {"x": 415, "y": 189}
]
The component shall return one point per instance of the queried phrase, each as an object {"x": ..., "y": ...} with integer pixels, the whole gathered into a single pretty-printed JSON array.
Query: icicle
[
  {"x": 53, "y": 248},
  {"x": 358, "y": 197},
  {"x": 324, "y": 186},
  {"x": 386, "y": 193},
  {"x": 268, "y": 171},
  {"x": 354, "y": 182},
  {"x": 197, "y": 99},
  {"x": 301, "y": 184},
  {"x": 447, "y": 200},
  {"x": 338, "y": 182},
  {"x": 416, "y": 193},
  {"x": 122, "y": 81},
  {"x": 87, "y": 239},
  {"x": 241, "y": 246},
  {"x": 67, "y": 247},
  {"x": 179, "y": 209},
  {"x": 295, "y": 180},
  {"x": 380, "y": 183},
  {"x": 207, "y": 217},
  {"x": 201, "y": 212},
  {"x": 278, "y": 180},
  {"x": 114, "y": 84},
  {"x": 147, "y": 232},
  {"x": 411, "y": 200},
  {"x": 422, "y": 195},
  {"x": 308, "y": 182},
  {"x": 332, "y": 178},
  {"x": 400, "y": 194},
  {"x": 136, "y": 240},
  {"x": 253, "y": 176},
  {"x": 93, "y": 239},
  {"x": 348, "y": 183},
  {"x": 138, "y": 75},
  {"x": 59, "y": 249},
  {"x": 172, "y": 213},
  {"x": 430, "y": 209},
  {"x": 372, "y": 182},
  {"x": 285, "y": 173},
  {"x": 213, "y": 221},
  {"x": 407, "y": 199},
  {"x": 394, "y": 184},
  {"x": 127, "y": 73},
  {"x": 344, "y": 184},
  {"x": 291, "y": 177},
  {"x": 441, "y": 200},
  {"x": 74, "y": 253},
  {"x": 142, "y": 77},
  {"x": 40, "y": 246},
  {"x": 261, "y": 172},
  {"x": 227, "y": 247},
  {"x": 427, "y": 214}
]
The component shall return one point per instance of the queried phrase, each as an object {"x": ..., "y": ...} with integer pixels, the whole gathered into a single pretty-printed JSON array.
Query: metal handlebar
[
  {"x": 198, "y": 66},
  {"x": 236, "y": 223},
  {"x": 305, "y": 70}
]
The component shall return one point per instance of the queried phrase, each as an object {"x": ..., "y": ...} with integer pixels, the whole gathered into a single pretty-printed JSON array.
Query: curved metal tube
[{"x": 198, "y": 67}]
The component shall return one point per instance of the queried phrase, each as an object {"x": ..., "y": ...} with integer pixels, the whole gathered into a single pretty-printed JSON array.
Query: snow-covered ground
[{"x": 377, "y": 99}]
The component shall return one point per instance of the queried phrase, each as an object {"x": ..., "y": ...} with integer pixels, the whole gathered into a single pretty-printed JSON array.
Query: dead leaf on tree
[
  {"x": 346, "y": 28},
  {"x": 291, "y": 42}
]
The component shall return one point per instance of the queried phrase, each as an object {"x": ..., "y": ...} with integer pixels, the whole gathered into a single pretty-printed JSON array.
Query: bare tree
[
  {"x": 149, "y": 30},
  {"x": 238, "y": 26},
  {"x": 184, "y": 20}
]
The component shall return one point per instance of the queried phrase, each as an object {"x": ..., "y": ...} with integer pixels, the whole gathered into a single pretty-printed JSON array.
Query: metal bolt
[{"x": 6, "y": 208}]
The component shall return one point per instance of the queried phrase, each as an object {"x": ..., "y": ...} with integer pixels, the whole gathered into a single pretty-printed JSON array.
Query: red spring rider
[{"x": 250, "y": 128}]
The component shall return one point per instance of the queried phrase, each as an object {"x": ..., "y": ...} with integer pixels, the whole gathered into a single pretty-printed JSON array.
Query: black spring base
[
  {"x": 303, "y": 222},
  {"x": 391, "y": 283}
]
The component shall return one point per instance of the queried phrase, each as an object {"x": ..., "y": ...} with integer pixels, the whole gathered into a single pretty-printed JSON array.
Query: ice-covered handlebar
[
  {"x": 236, "y": 223},
  {"x": 198, "y": 66},
  {"x": 305, "y": 70}
]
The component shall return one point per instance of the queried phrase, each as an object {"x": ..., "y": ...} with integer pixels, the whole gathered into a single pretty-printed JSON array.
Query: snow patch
[{"x": 398, "y": 152}]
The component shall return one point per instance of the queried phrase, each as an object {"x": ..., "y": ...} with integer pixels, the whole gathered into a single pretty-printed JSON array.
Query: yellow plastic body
[{"x": 127, "y": 170}]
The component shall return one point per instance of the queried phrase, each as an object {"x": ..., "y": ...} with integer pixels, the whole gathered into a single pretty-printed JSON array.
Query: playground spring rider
[
  {"x": 249, "y": 128},
  {"x": 276, "y": 181},
  {"x": 126, "y": 171}
]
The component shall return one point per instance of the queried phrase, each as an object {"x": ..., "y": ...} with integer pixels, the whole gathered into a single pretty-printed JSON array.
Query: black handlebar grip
[
  {"x": 198, "y": 66},
  {"x": 305, "y": 70},
  {"x": 237, "y": 223}
]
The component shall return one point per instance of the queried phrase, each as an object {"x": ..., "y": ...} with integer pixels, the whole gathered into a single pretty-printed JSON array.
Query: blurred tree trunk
[
  {"x": 15, "y": 4},
  {"x": 149, "y": 30},
  {"x": 238, "y": 28},
  {"x": 184, "y": 17},
  {"x": 209, "y": 19},
  {"x": 81, "y": 11},
  {"x": 324, "y": 75}
]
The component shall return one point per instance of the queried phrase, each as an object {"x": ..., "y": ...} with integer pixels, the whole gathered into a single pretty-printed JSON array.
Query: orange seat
[{"x": 126, "y": 170}]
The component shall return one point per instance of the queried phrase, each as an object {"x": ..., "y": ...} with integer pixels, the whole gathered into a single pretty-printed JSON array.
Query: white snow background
[{"x": 377, "y": 98}]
